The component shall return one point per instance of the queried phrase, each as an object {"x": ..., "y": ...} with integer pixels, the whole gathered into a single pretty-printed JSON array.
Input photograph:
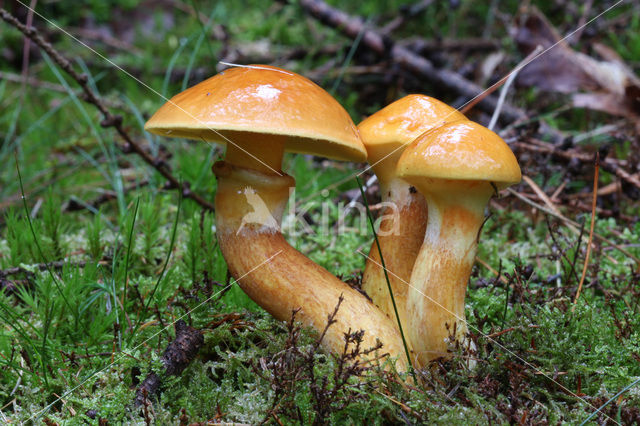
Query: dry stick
[
  {"x": 510, "y": 78},
  {"x": 109, "y": 120},
  {"x": 402, "y": 56},
  {"x": 571, "y": 222},
  {"x": 179, "y": 353},
  {"x": 492, "y": 270},
  {"x": 543, "y": 196},
  {"x": 593, "y": 221},
  {"x": 422, "y": 46},
  {"x": 608, "y": 164}
]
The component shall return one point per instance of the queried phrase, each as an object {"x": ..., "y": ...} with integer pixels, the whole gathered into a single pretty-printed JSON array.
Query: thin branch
[
  {"x": 509, "y": 81},
  {"x": 109, "y": 120},
  {"x": 574, "y": 223},
  {"x": 422, "y": 46},
  {"x": 593, "y": 220},
  {"x": 178, "y": 355},
  {"x": 402, "y": 56},
  {"x": 608, "y": 164}
]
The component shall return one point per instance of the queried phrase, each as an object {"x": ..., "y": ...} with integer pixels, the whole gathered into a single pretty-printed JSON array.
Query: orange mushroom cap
[
  {"x": 261, "y": 100},
  {"x": 464, "y": 150},
  {"x": 388, "y": 131}
]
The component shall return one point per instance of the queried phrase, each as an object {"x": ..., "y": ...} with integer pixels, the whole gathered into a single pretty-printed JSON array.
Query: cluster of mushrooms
[{"x": 438, "y": 168}]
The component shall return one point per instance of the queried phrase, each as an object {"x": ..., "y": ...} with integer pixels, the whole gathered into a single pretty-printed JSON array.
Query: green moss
[{"x": 81, "y": 331}]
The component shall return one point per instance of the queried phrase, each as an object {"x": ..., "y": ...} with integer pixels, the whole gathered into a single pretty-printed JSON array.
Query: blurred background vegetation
[{"x": 133, "y": 256}]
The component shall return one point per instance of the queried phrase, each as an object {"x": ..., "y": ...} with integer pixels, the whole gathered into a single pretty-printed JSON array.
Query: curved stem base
[{"x": 249, "y": 208}]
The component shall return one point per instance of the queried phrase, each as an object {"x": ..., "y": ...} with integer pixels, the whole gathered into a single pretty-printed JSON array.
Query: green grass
[{"x": 73, "y": 336}]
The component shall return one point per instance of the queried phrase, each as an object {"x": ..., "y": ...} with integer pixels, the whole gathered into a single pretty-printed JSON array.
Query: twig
[
  {"x": 179, "y": 353},
  {"x": 493, "y": 271},
  {"x": 500, "y": 333},
  {"x": 109, "y": 120},
  {"x": 593, "y": 220},
  {"x": 510, "y": 79},
  {"x": 507, "y": 78},
  {"x": 402, "y": 56},
  {"x": 422, "y": 46},
  {"x": 608, "y": 164},
  {"x": 575, "y": 224},
  {"x": 543, "y": 196}
]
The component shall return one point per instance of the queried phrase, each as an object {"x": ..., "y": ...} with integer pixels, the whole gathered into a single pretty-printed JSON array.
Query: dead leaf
[{"x": 610, "y": 85}]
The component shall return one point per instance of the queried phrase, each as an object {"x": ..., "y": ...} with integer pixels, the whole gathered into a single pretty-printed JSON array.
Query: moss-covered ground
[{"x": 76, "y": 337}]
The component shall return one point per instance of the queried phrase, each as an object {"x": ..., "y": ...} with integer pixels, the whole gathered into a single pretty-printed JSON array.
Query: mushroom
[
  {"x": 385, "y": 134},
  {"x": 457, "y": 168},
  {"x": 260, "y": 111}
]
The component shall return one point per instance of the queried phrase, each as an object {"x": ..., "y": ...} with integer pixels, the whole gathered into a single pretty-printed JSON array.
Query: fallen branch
[
  {"x": 109, "y": 120},
  {"x": 423, "y": 47},
  {"x": 608, "y": 164},
  {"x": 421, "y": 67},
  {"x": 178, "y": 355}
]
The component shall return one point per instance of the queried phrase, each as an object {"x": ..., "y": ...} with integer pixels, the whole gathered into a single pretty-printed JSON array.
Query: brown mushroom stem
[
  {"x": 249, "y": 208},
  {"x": 439, "y": 279},
  {"x": 386, "y": 134},
  {"x": 403, "y": 223}
]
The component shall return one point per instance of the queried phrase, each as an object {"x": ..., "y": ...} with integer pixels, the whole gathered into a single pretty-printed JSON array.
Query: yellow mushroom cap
[
  {"x": 386, "y": 132},
  {"x": 464, "y": 150},
  {"x": 262, "y": 99}
]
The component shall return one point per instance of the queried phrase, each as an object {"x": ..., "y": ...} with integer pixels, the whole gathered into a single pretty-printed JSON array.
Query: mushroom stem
[
  {"x": 386, "y": 134},
  {"x": 249, "y": 208},
  {"x": 404, "y": 219},
  {"x": 439, "y": 278},
  {"x": 265, "y": 157}
]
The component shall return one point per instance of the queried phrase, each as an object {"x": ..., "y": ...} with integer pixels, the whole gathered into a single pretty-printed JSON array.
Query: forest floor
[{"x": 104, "y": 263}]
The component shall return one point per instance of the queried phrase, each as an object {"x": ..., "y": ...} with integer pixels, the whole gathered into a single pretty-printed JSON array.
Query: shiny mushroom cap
[
  {"x": 460, "y": 151},
  {"x": 261, "y": 100},
  {"x": 386, "y": 132}
]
